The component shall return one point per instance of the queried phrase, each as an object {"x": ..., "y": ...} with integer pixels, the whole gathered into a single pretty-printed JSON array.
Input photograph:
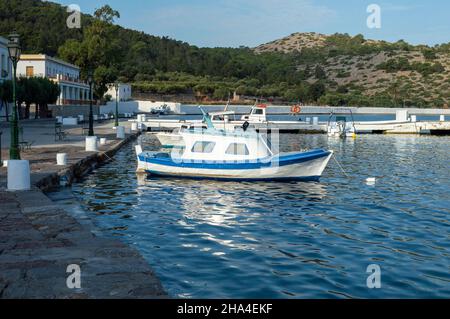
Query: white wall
[
  {"x": 39, "y": 68},
  {"x": 137, "y": 107},
  {"x": 5, "y": 63},
  {"x": 124, "y": 93},
  {"x": 47, "y": 68}
]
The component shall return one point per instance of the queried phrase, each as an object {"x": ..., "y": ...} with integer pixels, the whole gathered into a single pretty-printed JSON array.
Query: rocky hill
[
  {"x": 353, "y": 65},
  {"x": 296, "y": 42}
]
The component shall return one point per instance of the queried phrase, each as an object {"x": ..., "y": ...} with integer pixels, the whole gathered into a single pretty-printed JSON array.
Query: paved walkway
[{"x": 39, "y": 240}]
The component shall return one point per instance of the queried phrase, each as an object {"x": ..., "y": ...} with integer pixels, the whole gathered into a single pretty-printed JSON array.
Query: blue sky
[{"x": 252, "y": 22}]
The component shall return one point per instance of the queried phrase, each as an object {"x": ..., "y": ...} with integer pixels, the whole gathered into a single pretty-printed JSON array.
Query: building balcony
[
  {"x": 68, "y": 79},
  {"x": 75, "y": 102}
]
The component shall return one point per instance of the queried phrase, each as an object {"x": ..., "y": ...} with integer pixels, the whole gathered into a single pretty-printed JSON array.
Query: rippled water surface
[{"x": 291, "y": 240}]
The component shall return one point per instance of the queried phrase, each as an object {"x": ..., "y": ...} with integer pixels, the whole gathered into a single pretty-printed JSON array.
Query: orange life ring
[{"x": 296, "y": 109}]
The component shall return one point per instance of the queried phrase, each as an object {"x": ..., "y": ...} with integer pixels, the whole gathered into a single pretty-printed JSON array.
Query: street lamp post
[
  {"x": 14, "y": 55},
  {"x": 116, "y": 86},
  {"x": 91, "y": 114}
]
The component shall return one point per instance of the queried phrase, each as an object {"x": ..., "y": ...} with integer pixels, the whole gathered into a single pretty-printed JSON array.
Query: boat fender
[{"x": 245, "y": 126}]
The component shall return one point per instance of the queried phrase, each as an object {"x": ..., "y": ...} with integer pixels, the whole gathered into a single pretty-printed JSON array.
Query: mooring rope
[{"x": 340, "y": 166}]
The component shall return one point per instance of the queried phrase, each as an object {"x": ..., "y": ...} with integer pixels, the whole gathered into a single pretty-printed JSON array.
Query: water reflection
[
  {"x": 221, "y": 203},
  {"x": 273, "y": 240}
]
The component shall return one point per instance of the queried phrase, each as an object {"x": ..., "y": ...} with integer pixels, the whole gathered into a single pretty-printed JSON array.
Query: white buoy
[
  {"x": 103, "y": 141},
  {"x": 134, "y": 126},
  {"x": 91, "y": 144},
  {"x": 442, "y": 118},
  {"x": 120, "y": 132},
  {"x": 371, "y": 181},
  {"x": 61, "y": 159},
  {"x": 18, "y": 175}
]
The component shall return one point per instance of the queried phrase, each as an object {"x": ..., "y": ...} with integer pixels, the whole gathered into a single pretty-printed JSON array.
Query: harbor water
[{"x": 208, "y": 239}]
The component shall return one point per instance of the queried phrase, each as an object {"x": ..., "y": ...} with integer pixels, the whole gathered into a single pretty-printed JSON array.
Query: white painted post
[
  {"x": 61, "y": 159},
  {"x": 120, "y": 132},
  {"x": 91, "y": 144},
  {"x": 18, "y": 175}
]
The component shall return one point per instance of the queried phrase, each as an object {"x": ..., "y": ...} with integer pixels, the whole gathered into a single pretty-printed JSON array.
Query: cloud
[{"x": 236, "y": 22}]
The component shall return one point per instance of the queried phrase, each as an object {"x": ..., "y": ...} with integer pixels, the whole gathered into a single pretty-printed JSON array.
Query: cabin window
[
  {"x": 237, "y": 149},
  {"x": 258, "y": 112},
  {"x": 203, "y": 147}
]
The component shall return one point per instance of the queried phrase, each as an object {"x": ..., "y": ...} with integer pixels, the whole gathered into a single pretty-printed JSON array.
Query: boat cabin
[
  {"x": 217, "y": 145},
  {"x": 258, "y": 114}
]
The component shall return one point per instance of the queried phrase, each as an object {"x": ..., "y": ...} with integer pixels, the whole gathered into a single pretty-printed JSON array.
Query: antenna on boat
[
  {"x": 228, "y": 103},
  {"x": 206, "y": 118}
]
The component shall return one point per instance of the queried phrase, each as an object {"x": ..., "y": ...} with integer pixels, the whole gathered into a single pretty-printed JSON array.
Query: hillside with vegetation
[{"x": 305, "y": 67}]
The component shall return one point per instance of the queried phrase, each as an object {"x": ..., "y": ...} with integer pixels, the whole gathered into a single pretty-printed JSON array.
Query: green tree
[{"x": 99, "y": 50}]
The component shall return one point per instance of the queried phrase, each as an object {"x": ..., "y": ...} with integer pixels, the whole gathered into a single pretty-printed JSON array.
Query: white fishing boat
[
  {"x": 224, "y": 155},
  {"x": 341, "y": 127}
]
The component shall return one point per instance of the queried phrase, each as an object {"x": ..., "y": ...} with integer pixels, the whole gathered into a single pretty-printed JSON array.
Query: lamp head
[
  {"x": 14, "y": 49},
  {"x": 90, "y": 76}
]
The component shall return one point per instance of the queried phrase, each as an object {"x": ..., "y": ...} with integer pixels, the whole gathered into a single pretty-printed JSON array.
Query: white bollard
[
  {"x": 134, "y": 127},
  {"x": 120, "y": 132},
  {"x": 18, "y": 175},
  {"x": 442, "y": 118},
  {"x": 103, "y": 141},
  {"x": 315, "y": 121},
  {"x": 91, "y": 144},
  {"x": 61, "y": 159}
]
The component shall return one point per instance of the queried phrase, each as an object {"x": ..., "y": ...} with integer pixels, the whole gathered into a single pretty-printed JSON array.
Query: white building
[
  {"x": 124, "y": 92},
  {"x": 73, "y": 90},
  {"x": 5, "y": 71},
  {"x": 5, "y": 62}
]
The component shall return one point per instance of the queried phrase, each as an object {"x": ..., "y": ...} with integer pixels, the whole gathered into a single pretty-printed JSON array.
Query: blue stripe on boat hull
[
  {"x": 280, "y": 161},
  {"x": 224, "y": 179}
]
